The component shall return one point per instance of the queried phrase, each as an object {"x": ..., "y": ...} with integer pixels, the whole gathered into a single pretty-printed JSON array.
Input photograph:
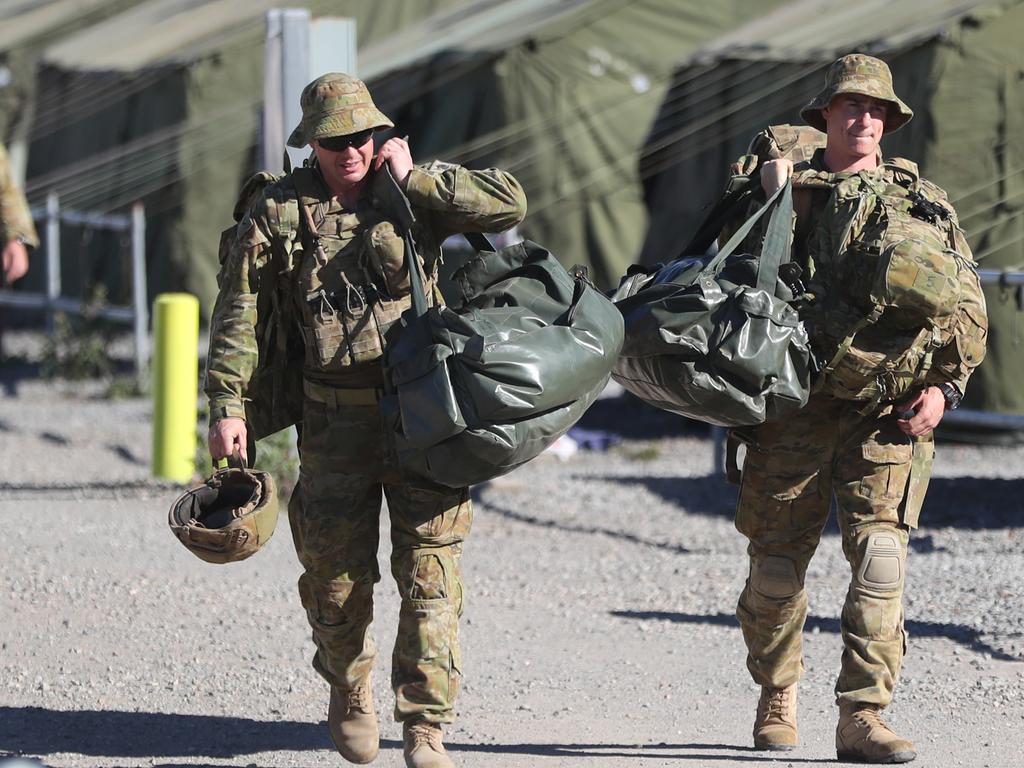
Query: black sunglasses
[{"x": 341, "y": 143}]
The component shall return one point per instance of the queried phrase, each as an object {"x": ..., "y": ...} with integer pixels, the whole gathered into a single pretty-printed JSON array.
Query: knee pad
[
  {"x": 775, "y": 576},
  {"x": 883, "y": 561},
  {"x": 429, "y": 581}
]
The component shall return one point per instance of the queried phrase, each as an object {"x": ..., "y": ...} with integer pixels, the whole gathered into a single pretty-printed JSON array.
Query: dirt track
[{"x": 598, "y": 632}]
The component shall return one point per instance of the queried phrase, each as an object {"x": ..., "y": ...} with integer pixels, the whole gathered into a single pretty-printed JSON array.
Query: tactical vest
[
  {"x": 352, "y": 287},
  {"x": 323, "y": 322},
  {"x": 886, "y": 282}
]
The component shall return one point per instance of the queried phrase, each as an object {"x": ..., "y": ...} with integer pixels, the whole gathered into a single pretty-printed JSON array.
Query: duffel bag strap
[
  {"x": 478, "y": 242},
  {"x": 783, "y": 215},
  {"x": 718, "y": 216},
  {"x": 778, "y": 242},
  {"x": 402, "y": 210},
  {"x": 733, "y": 474}
]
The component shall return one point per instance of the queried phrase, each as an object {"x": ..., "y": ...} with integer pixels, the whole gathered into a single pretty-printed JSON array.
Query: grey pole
[
  {"x": 52, "y": 256},
  {"x": 298, "y": 48},
  {"x": 285, "y": 73},
  {"x": 140, "y": 313},
  {"x": 718, "y": 448}
]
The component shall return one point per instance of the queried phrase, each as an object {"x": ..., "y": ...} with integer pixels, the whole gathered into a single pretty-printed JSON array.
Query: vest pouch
[
  {"x": 918, "y": 280},
  {"x": 867, "y": 372},
  {"x": 325, "y": 340},
  {"x": 385, "y": 257}
]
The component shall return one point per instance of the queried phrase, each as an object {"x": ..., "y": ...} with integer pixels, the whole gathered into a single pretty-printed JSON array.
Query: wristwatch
[{"x": 952, "y": 394}]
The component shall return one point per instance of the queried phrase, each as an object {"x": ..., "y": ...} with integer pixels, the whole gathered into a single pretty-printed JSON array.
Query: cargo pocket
[
  {"x": 885, "y": 473},
  {"x": 438, "y": 517},
  {"x": 917, "y": 483},
  {"x": 770, "y": 503}
]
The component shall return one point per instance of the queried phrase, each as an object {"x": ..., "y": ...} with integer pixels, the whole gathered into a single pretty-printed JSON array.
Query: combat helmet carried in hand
[{"x": 228, "y": 518}]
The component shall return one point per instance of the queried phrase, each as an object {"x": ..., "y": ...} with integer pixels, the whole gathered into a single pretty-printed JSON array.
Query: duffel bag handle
[
  {"x": 776, "y": 248},
  {"x": 403, "y": 213},
  {"x": 778, "y": 241}
]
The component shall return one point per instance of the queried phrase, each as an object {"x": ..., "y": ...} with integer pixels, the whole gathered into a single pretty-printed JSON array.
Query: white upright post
[
  {"x": 140, "y": 317},
  {"x": 286, "y": 72},
  {"x": 298, "y": 49},
  {"x": 332, "y": 46},
  {"x": 52, "y": 256}
]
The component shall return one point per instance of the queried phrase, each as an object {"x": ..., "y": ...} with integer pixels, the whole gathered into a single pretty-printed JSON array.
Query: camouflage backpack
[
  {"x": 886, "y": 283},
  {"x": 274, "y": 396}
]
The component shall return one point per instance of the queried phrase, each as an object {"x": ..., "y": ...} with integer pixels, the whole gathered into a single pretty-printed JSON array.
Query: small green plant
[
  {"x": 646, "y": 453},
  {"x": 123, "y": 388},
  {"x": 279, "y": 455},
  {"x": 79, "y": 346}
]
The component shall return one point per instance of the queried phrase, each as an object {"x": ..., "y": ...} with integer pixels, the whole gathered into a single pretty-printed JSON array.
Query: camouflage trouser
[
  {"x": 334, "y": 514},
  {"x": 879, "y": 477}
]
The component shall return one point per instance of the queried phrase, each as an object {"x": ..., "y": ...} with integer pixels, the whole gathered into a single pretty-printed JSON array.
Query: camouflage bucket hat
[
  {"x": 336, "y": 105},
  {"x": 865, "y": 75}
]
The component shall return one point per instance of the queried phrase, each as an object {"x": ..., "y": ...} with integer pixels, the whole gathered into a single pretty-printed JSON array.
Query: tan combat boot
[
  {"x": 775, "y": 724},
  {"x": 862, "y": 736},
  {"x": 352, "y": 722},
  {"x": 423, "y": 747}
]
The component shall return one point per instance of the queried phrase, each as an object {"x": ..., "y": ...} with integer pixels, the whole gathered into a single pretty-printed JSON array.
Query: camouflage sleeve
[
  {"x": 460, "y": 200},
  {"x": 956, "y": 361},
  {"x": 15, "y": 218},
  {"x": 234, "y": 353}
]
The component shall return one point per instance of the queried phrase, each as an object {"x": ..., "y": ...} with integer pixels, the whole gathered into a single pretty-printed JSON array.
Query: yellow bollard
[{"x": 175, "y": 385}]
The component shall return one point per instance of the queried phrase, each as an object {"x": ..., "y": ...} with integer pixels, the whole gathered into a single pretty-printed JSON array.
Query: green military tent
[
  {"x": 151, "y": 100},
  {"x": 619, "y": 118}
]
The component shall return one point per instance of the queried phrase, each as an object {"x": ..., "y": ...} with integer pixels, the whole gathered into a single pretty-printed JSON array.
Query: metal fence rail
[{"x": 52, "y": 301}]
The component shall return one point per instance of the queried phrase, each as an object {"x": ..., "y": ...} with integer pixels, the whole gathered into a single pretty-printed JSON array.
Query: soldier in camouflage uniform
[
  {"x": 17, "y": 231},
  {"x": 873, "y": 455},
  {"x": 315, "y": 267}
]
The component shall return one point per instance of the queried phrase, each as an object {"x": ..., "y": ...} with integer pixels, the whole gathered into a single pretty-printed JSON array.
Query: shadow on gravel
[
  {"x": 659, "y": 751},
  {"x": 37, "y": 731},
  {"x": 633, "y": 419},
  {"x": 707, "y": 495},
  {"x": 558, "y": 525},
  {"x": 974, "y": 503},
  {"x": 959, "y": 633},
  {"x": 13, "y": 371},
  {"x": 969, "y": 503}
]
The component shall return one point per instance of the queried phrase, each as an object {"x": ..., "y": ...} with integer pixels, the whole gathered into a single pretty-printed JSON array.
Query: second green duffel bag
[{"x": 719, "y": 342}]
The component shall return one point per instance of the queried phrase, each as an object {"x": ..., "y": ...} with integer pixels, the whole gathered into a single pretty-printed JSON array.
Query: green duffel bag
[
  {"x": 719, "y": 342},
  {"x": 475, "y": 391}
]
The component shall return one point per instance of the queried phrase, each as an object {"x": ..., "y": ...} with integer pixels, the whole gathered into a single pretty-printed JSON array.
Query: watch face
[{"x": 951, "y": 394}]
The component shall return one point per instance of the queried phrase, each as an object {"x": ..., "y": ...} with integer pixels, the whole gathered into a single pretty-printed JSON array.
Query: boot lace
[
  {"x": 872, "y": 718},
  {"x": 777, "y": 705},
  {"x": 424, "y": 734},
  {"x": 359, "y": 698}
]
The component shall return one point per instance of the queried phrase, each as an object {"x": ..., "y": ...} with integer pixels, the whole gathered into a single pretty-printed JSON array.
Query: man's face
[
  {"x": 344, "y": 160},
  {"x": 855, "y": 124}
]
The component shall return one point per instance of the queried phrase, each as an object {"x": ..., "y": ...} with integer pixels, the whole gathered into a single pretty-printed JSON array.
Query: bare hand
[
  {"x": 15, "y": 261},
  {"x": 774, "y": 174},
  {"x": 395, "y": 152},
  {"x": 228, "y": 436},
  {"x": 929, "y": 407}
]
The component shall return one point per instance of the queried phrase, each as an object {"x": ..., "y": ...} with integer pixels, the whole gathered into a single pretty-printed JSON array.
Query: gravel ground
[{"x": 598, "y": 631}]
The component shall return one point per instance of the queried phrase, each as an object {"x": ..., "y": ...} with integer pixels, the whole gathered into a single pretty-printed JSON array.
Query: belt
[{"x": 338, "y": 396}]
